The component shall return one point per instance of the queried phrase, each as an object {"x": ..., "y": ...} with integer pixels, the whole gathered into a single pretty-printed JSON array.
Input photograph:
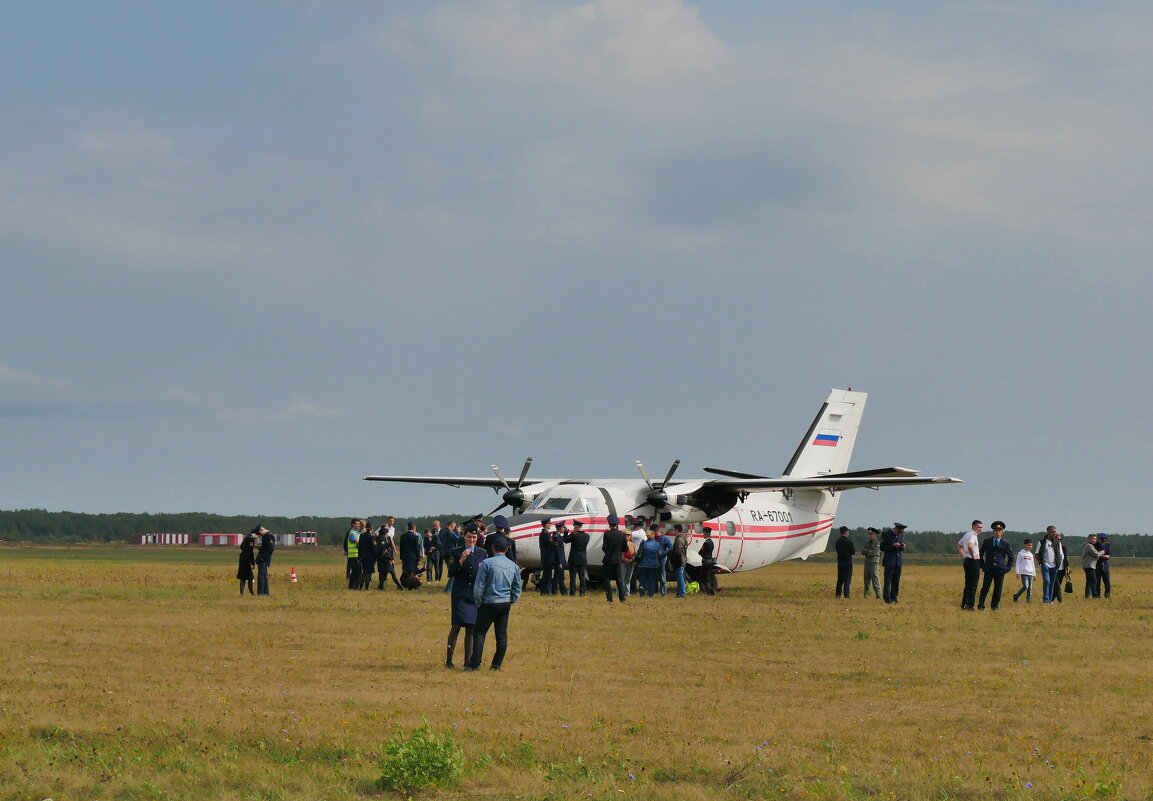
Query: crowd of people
[
  {"x": 985, "y": 562},
  {"x": 885, "y": 549},
  {"x": 994, "y": 559},
  {"x": 484, "y": 580}
]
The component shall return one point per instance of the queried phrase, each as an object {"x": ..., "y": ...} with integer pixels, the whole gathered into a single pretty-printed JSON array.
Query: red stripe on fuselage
[{"x": 745, "y": 531}]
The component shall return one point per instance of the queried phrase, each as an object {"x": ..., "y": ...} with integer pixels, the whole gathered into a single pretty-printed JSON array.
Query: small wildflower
[
  {"x": 632, "y": 778},
  {"x": 1028, "y": 785}
]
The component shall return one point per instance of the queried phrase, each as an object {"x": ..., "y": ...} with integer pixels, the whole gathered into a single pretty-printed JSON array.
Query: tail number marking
[{"x": 770, "y": 516}]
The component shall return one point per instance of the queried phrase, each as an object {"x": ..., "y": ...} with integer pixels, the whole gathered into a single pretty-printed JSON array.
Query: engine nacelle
[{"x": 700, "y": 506}]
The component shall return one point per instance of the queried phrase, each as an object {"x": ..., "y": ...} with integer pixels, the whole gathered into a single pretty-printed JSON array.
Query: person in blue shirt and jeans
[{"x": 495, "y": 589}]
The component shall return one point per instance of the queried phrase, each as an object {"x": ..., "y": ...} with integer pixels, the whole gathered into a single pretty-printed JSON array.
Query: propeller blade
[
  {"x": 644, "y": 475},
  {"x": 524, "y": 471},
  {"x": 500, "y": 477},
  {"x": 672, "y": 470},
  {"x": 497, "y": 509}
]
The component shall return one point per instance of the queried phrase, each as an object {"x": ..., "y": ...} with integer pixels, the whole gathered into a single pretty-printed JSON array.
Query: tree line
[
  {"x": 945, "y": 542},
  {"x": 41, "y": 526}
]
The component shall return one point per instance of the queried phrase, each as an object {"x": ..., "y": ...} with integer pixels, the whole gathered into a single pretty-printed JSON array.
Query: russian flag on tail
[{"x": 827, "y": 439}]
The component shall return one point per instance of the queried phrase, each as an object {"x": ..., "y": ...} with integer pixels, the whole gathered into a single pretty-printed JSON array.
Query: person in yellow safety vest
[{"x": 352, "y": 552}]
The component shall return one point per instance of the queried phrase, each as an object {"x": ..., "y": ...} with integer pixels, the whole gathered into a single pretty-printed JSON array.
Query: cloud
[
  {"x": 120, "y": 142},
  {"x": 304, "y": 409},
  {"x": 606, "y": 49},
  {"x": 15, "y": 378},
  {"x": 299, "y": 408}
]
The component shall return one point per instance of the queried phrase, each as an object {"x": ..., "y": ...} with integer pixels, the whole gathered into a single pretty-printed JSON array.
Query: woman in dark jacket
[
  {"x": 247, "y": 562},
  {"x": 366, "y": 553},
  {"x": 462, "y": 565}
]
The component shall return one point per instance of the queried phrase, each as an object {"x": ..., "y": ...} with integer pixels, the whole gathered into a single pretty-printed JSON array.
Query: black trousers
[
  {"x": 1103, "y": 582},
  {"x": 844, "y": 578},
  {"x": 1092, "y": 588},
  {"x": 972, "y": 576},
  {"x": 386, "y": 569},
  {"x": 892, "y": 584},
  {"x": 556, "y": 583},
  {"x": 616, "y": 572},
  {"x": 996, "y": 579},
  {"x": 577, "y": 572},
  {"x": 490, "y": 615},
  {"x": 353, "y": 571}
]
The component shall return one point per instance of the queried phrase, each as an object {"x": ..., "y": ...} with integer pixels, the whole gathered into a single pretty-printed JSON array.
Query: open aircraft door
[{"x": 730, "y": 540}]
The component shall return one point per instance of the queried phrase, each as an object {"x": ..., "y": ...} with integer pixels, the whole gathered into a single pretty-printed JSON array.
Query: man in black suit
[
  {"x": 613, "y": 544},
  {"x": 409, "y": 557},
  {"x": 893, "y": 550},
  {"x": 845, "y": 552},
  {"x": 578, "y": 542},
  {"x": 263, "y": 558}
]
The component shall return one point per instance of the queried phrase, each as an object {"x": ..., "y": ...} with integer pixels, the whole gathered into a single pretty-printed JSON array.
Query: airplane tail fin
[{"x": 829, "y": 442}]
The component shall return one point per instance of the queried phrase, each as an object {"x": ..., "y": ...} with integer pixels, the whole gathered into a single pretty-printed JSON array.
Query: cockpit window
[{"x": 556, "y": 504}]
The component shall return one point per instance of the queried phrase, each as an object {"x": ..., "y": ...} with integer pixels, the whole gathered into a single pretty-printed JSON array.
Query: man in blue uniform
[
  {"x": 263, "y": 558},
  {"x": 996, "y": 561},
  {"x": 546, "y": 543}
]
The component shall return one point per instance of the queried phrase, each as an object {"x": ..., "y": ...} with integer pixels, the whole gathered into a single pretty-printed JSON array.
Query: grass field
[{"x": 134, "y": 673}]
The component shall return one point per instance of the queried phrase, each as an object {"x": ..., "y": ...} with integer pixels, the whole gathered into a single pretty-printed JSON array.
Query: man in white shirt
[{"x": 969, "y": 547}]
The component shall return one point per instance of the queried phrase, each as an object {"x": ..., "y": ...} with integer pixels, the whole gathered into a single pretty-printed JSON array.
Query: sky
[{"x": 253, "y": 252}]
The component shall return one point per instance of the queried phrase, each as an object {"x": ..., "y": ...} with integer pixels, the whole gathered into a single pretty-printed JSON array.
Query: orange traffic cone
[{"x": 292, "y": 575}]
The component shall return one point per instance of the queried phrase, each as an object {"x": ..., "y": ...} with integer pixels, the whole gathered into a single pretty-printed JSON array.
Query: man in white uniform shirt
[{"x": 969, "y": 546}]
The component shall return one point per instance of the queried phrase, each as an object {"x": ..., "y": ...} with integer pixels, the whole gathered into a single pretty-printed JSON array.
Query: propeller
[
  {"x": 657, "y": 497},
  {"x": 513, "y": 496}
]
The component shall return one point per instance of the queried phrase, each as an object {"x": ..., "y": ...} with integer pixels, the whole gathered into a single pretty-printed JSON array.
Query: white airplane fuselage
[{"x": 763, "y": 529}]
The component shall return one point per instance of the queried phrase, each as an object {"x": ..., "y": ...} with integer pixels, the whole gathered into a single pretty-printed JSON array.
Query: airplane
[{"x": 756, "y": 520}]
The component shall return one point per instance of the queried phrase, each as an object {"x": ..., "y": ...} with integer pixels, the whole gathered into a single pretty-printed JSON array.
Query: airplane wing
[{"x": 456, "y": 481}]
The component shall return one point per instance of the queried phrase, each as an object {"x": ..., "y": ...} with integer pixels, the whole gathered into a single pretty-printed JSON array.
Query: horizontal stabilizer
[
  {"x": 878, "y": 472},
  {"x": 823, "y": 483}
]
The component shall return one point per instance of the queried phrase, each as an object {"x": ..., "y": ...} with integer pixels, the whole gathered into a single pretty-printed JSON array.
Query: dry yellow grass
[{"x": 141, "y": 674}]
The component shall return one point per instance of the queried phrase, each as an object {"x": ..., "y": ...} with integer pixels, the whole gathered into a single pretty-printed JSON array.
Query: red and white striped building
[{"x": 163, "y": 539}]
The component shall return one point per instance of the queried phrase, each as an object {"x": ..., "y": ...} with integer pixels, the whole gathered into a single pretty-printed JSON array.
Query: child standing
[{"x": 1026, "y": 571}]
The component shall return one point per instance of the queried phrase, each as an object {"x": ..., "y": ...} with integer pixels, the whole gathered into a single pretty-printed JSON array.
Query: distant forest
[
  {"x": 40, "y": 526},
  {"x": 945, "y": 542}
]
